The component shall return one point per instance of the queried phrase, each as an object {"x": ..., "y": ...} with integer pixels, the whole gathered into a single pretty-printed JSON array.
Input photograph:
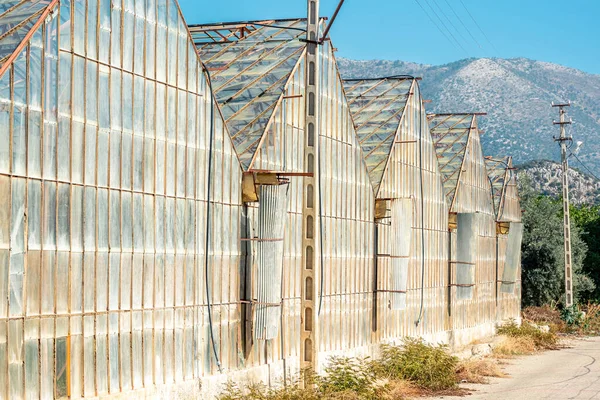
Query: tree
[
  {"x": 543, "y": 252},
  {"x": 587, "y": 217}
]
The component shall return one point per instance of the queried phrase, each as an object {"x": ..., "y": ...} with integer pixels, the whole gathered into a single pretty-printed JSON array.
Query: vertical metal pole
[
  {"x": 562, "y": 139},
  {"x": 310, "y": 276}
]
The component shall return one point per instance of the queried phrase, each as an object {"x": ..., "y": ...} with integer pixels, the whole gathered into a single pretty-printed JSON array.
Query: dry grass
[
  {"x": 542, "y": 315},
  {"x": 514, "y": 346},
  {"x": 478, "y": 371},
  {"x": 551, "y": 316},
  {"x": 541, "y": 340},
  {"x": 547, "y": 315}
]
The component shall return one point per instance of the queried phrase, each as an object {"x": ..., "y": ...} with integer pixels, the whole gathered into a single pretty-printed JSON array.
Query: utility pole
[
  {"x": 562, "y": 139},
  {"x": 310, "y": 274}
]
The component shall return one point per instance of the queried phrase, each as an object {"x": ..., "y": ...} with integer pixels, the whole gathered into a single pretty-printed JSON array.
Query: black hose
[
  {"x": 208, "y": 227},
  {"x": 422, "y": 214}
]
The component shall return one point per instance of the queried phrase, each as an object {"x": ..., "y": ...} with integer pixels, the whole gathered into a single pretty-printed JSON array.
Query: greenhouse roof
[
  {"x": 377, "y": 106},
  {"x": 250, "y": 64},
  {"x": 17, "y": 19},
  {"x": 450, "y": 135},
  {"x": 497, "y": 168}
]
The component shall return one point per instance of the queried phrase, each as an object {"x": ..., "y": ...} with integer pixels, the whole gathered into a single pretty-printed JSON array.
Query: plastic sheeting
[
  {"x": 513, "y": 257},
  {"x": 466, "y": 246},
  {"x": 272, "y": 209},
  {"x": 400, "y": 250}
]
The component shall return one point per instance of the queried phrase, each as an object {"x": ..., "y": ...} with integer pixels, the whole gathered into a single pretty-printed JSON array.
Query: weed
[
  {"x": 430, "y": 367},
  {"x": 414, "y": 369},
  {"x": 349, "y": 375},
  {"x": 572, "y": 315}
]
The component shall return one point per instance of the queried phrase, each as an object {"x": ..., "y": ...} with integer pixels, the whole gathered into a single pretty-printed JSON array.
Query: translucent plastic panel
[
  {"x": 65, "y": 25},
  {"x": 5, "y": 122},
  {"x": 19, "y": 138},
  {"x": 79, "y": 18},
  {"x": 497, "y": 171},
  {"x": 269, "y": 260},
  {"x": 401, "y": 242},
  {"x": 249, "y": 80},
  {"x": 17, "y": 22},
  {"x": 513, "y": 257},
  {"x": 63, "y": 149},
  {"x": 466, "y": 254},
  {"x": 450, "y": 134}
]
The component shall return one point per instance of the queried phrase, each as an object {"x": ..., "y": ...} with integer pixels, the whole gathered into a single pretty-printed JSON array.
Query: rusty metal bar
[
  {"x": 280, "y": 173},
  {"x": 261, "y": 240},
  {"x": 458, "y": 113},
  {"x": 406, "y": 141},
  {"x": 335, "y": 13},
  {"x": 391, "y": 291}
]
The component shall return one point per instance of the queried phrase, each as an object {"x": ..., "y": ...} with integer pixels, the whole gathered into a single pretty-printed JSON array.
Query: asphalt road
[{"x": 571, "y": 373}]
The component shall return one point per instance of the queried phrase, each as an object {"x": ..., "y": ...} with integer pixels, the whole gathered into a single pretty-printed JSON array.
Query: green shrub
[
  {"x": 348, "y": 375},
  {"x": 430, "y": 367},
  {"x": 259, "y": 391},
  {"x": 572, "y": 315}
]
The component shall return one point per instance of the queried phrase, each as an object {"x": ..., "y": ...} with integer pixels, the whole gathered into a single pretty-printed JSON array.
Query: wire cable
[
  {"x": 441, "y": 10},
  {"x": 208, "y": 227},
  {"x": 445, "y": 26},
  {"x": 321, "y": 233},
  {"x": 464, "y": 25},
  {"x": 585, "y": 166},
  {"x": 478, "y": 27},
  {"x": 422, "y": 213},
  {"x": 436, "y": 25}
]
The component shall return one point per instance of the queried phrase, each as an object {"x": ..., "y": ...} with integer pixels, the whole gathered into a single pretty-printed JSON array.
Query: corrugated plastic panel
[
  {"x": 17, "y": 18},
  {"x": 377, "y": 106},
  {"x": 401, "y": 229},
  {"x": 272, "y": 209},
  {"x": 513, "y": 257},
  {"x": 466, "y": 253},
  {"x": 450, "y": 135},
  {"x": 249, "y": 78}
]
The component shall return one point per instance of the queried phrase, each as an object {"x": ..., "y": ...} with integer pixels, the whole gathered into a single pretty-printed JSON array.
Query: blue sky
[{"x": 566, "y": 33}]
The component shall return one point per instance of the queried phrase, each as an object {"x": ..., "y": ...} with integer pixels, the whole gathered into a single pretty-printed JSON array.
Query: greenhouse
[
  {"x": 509, "y": 234},
  {"x": 185, "y": 204},
  {"x": 471, "y": 220},
  {"x": 259, "y": 72},
  {"x": 411, "y": 210}
]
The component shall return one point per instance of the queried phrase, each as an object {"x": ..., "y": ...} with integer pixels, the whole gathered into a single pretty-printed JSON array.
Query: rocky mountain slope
[
  {"x": 546, "y": 177},
  {"x": 517, "y": 95}
]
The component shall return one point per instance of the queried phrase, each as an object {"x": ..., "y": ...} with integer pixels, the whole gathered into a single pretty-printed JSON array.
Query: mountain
[
  {"x": 546, "y": 177},
  {"x": 517, "y": 95}
]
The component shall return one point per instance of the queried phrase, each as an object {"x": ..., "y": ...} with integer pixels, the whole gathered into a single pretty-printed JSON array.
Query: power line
[
  {"x": 436, "y": 25},
  {"x": 464, "y": 25},
  {"x": 446, "y": 27},
  {"x": 585, "y": 166},
  {"x": 465, "y": 41},
  {"x": 478, "y": 27}
]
